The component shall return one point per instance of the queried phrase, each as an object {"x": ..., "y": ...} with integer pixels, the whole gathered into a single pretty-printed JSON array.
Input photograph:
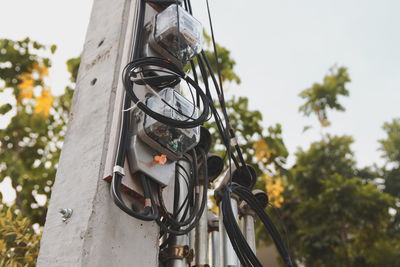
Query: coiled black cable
[{"x": 142, "y": 63}]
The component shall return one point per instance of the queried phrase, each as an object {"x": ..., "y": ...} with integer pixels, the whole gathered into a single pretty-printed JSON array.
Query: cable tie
[
  {"x": 128, "y": 109},
  {"x": 234, "y": 141},
  {"x": 119, "y": 170},
  {"x": 134, "y": 106}
]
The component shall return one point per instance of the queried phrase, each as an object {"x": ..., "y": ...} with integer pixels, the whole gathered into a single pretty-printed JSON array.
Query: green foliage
[
  {"x": 19, "y": 243},
  {"x": 25, "y": 153},
  {"x": 321, "y": 97},
  {"x": 322, "y": 161},
  {"x": 335, "y": 219},
  {"x": 249, "y": 131},
  {"x": 73, "y": 67},
  {"x": 31, "y": 143},
  {"x": 385, "y": 253},
  {"x": 226, "y": 64},
  {"x": 335, "y": 212},
  {"x": 391, "y": 145},
  {"x": 391, "y": 152},
  {"x": 4, "y": 109},
  {"x": 246, "y": 123},
  {"x": 392, "y": 182},
  {"x": 17, "y": 57}
]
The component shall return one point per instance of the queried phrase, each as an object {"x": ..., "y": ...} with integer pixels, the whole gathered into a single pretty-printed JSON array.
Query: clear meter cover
[
  {"x": 175, "y": 140},
  {"x": 178, "y": 32}
]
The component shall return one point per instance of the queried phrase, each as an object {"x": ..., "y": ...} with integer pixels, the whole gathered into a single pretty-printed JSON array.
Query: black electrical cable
[
  {"x": 115, "y": 191},
  {"x": 192, "y": 216},
  {"x": 142, "y": 63},
  {"x": 173, "y": 75},
  {"x": 219, "y": 88},
  {"x": 190, "y": 184},
  {"x": 242, "y": 249},
  {"x": 283, "y": 226},
  {"x": 198, "y": 210},
  {"x": 230, "y": 133},
  {"x": 239, "y": 243},
  {"x": 249, "y": 198},
  {"x": 116, "y": 181}
]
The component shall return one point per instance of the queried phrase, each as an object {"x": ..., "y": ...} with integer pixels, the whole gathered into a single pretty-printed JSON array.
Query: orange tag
[{"x": 162, "y": 159}]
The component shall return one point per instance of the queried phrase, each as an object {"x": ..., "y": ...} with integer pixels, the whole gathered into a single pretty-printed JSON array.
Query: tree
[
  {"x": 31, "y": 141},
  {"x": 19, "y": 243},
  {"x": 391, "y": 152},
  {"x": 321, "y": 161},
  {"x": 335, "y": 218},
  {"x": 322, "y": 97},
  {"x": 30, "y": 144},
  {"x": 336, "y": 214},
  {"x": 391, "y": 170},
  {"x": 390, "y": 145}
]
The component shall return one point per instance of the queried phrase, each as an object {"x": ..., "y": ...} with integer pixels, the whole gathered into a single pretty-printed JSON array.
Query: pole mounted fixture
[{"x": 145, "y": 134}]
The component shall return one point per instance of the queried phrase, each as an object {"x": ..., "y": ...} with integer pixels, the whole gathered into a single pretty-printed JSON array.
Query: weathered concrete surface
[{"x": 98, "y": 233}]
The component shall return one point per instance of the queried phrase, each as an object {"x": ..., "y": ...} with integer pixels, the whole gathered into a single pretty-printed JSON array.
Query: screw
[{"x": 66, "y": 214}]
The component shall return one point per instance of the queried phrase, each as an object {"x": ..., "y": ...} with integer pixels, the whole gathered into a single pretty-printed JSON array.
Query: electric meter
[
  {"x": 176, "y": 33},
  {"x": 171, "y": 141}
]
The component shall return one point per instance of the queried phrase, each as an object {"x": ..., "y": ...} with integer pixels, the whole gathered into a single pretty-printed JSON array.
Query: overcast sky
[{"x": 281, "y": 47}]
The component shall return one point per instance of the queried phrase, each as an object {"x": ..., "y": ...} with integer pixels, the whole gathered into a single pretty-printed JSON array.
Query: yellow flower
[
  {"x": 25, "y": 86},
  {"x": 43, "y": 103},
  {"x": 262, "y": 150},
  {"x": 274, "y": 188},
  {"x": 26, "y": 94}
]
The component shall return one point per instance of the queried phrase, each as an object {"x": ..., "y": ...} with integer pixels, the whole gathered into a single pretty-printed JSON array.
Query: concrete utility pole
[{"x": 97, "y": 233}]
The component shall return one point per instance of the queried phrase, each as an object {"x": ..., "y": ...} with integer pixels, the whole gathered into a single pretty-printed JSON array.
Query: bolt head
[{"x": 66, "y": 214}]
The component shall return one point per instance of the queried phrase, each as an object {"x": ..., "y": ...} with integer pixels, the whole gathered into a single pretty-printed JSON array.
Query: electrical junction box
[
  {"x": 141, "y": 158},
  {"x": 176, "y": 34},
  {"x": 150, "y": 139},
  {"x": 171, "y": 141}
]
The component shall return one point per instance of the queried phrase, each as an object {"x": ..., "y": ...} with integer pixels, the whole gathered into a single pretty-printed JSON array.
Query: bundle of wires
[
  {"x": 185, "y": 216},
  {"x": 139, "y": 67},
  {"x": 139, "y": 72},
  {"x": 150, "y": 211},
  {"x": 242, "y": 249},
  {"x": 169, "y": 223}
]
